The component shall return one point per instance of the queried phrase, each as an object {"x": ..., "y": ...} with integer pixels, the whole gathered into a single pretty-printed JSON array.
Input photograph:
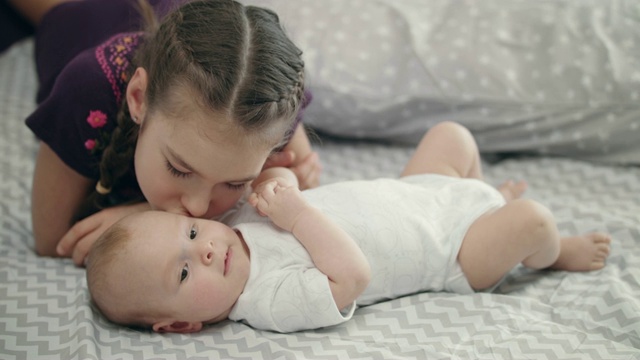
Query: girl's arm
[
  {"x": 333, "y": 251},
  {"x": 58, "y": 191}
]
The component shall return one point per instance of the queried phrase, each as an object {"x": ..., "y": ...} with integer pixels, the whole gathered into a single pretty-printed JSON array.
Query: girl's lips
[{"x": 227, "y": 261}]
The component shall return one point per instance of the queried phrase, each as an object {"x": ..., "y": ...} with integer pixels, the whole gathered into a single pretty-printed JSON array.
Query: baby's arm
[{"x": 333, "y": 251}]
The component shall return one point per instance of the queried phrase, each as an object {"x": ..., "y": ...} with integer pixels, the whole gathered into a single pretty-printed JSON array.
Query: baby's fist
[{"x": 279, "y": 200}]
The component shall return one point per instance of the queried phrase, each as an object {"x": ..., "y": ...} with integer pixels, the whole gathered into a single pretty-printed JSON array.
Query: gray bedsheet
[{"x": 45, "y": 311}]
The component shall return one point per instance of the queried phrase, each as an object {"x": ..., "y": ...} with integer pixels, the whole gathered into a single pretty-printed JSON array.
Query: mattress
[{"x": 45, "y": 312}]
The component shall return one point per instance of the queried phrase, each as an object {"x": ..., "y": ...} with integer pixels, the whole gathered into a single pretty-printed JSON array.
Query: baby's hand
[{"x": 281, "y": 201}]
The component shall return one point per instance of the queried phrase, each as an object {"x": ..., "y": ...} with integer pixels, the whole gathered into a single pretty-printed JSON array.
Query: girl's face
[{"x": 187, "y": 167}]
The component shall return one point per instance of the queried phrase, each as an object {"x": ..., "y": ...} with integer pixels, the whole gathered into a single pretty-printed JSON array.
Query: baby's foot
[
  {"x": 512, "y": 190},
  {"x": 583, "y": 252}
]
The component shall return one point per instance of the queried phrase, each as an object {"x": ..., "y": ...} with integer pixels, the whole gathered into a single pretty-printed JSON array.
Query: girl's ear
[
  {"x": 181, "y": 327},
  {"x": 136, "y": 95}
]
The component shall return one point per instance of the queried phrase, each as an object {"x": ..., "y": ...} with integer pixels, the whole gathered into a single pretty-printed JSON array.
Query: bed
[{"x": 45, "y": 311}]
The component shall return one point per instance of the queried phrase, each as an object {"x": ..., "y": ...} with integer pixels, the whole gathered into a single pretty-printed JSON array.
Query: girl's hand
[
  {"x": 77, "y": 242},
  {"x": 307, "y": 169},
  {"x": 300, "y": 158}
]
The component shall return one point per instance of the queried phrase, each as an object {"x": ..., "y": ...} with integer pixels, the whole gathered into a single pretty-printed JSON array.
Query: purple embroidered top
[{"x": 79, "y": 114}]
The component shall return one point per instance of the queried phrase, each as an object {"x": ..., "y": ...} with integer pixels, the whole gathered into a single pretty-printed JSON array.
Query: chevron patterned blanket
[{"x": 45, "y": 311}]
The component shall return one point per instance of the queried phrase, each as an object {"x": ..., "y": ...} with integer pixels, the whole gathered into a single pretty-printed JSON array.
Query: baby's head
[{"x": 167, "y": 272}]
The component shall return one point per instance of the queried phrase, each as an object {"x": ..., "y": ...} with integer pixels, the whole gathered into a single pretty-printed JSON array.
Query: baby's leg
[
  {"x": 447, "y": 149},
  {"x": 523, "y": 231}
]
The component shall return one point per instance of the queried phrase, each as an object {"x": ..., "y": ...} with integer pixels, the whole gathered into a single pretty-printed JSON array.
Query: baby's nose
[{"x": 207, "y": 253}]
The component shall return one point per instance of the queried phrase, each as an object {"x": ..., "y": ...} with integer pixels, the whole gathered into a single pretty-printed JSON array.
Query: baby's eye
[
  {"x": 193, "y": 233},
  {"x": 184, "y": 273}
]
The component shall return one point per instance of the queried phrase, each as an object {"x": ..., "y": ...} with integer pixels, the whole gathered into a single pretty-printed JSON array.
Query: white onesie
[{"x": 410, "y": 230}]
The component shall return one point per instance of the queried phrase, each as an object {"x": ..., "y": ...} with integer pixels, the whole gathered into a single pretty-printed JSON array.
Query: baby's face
[{"x": 192, "y": 269}]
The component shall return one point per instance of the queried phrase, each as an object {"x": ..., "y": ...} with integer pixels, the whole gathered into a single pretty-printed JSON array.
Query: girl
[{"x": 181, "y": 118}]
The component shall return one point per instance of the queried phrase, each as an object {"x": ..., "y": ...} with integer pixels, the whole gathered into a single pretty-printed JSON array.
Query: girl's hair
[{"x": 235, "y": 60}]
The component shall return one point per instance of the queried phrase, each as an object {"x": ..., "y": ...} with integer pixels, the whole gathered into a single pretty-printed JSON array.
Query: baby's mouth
[{"x": 227, "y": 261}]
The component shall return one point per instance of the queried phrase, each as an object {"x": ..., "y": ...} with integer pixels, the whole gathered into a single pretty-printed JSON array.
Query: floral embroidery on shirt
[
  {"x": 97, "y": 120},
  {"x": 90, "y": 144},
  {"x": 114, "y": 57}
]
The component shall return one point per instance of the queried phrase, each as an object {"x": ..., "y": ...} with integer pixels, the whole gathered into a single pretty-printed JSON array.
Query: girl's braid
[
  {"x": 117, "y": 158},
  {"x": 115, "y": 164}
]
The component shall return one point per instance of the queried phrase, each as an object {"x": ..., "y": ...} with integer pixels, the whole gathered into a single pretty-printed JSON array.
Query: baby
[{"x": 292, "y": 260}]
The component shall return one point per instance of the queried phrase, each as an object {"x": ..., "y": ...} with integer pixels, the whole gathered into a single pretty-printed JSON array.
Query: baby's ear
[{"x": 181, "y": 327}]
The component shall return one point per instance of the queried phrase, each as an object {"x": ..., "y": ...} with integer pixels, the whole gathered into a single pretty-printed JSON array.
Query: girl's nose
[{"x": 196, "y": 205}]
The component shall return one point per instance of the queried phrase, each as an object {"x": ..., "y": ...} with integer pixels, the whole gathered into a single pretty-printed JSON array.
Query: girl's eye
[
  {"x": 193, "y": 233},
  {"x": 184, "y": 273},
  {"x": 236, "y": 186},
  {"x": 175, "y": 172}
]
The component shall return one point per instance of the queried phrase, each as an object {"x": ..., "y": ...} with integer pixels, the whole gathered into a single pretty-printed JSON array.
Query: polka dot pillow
[{"x": 553, "y": 77}]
